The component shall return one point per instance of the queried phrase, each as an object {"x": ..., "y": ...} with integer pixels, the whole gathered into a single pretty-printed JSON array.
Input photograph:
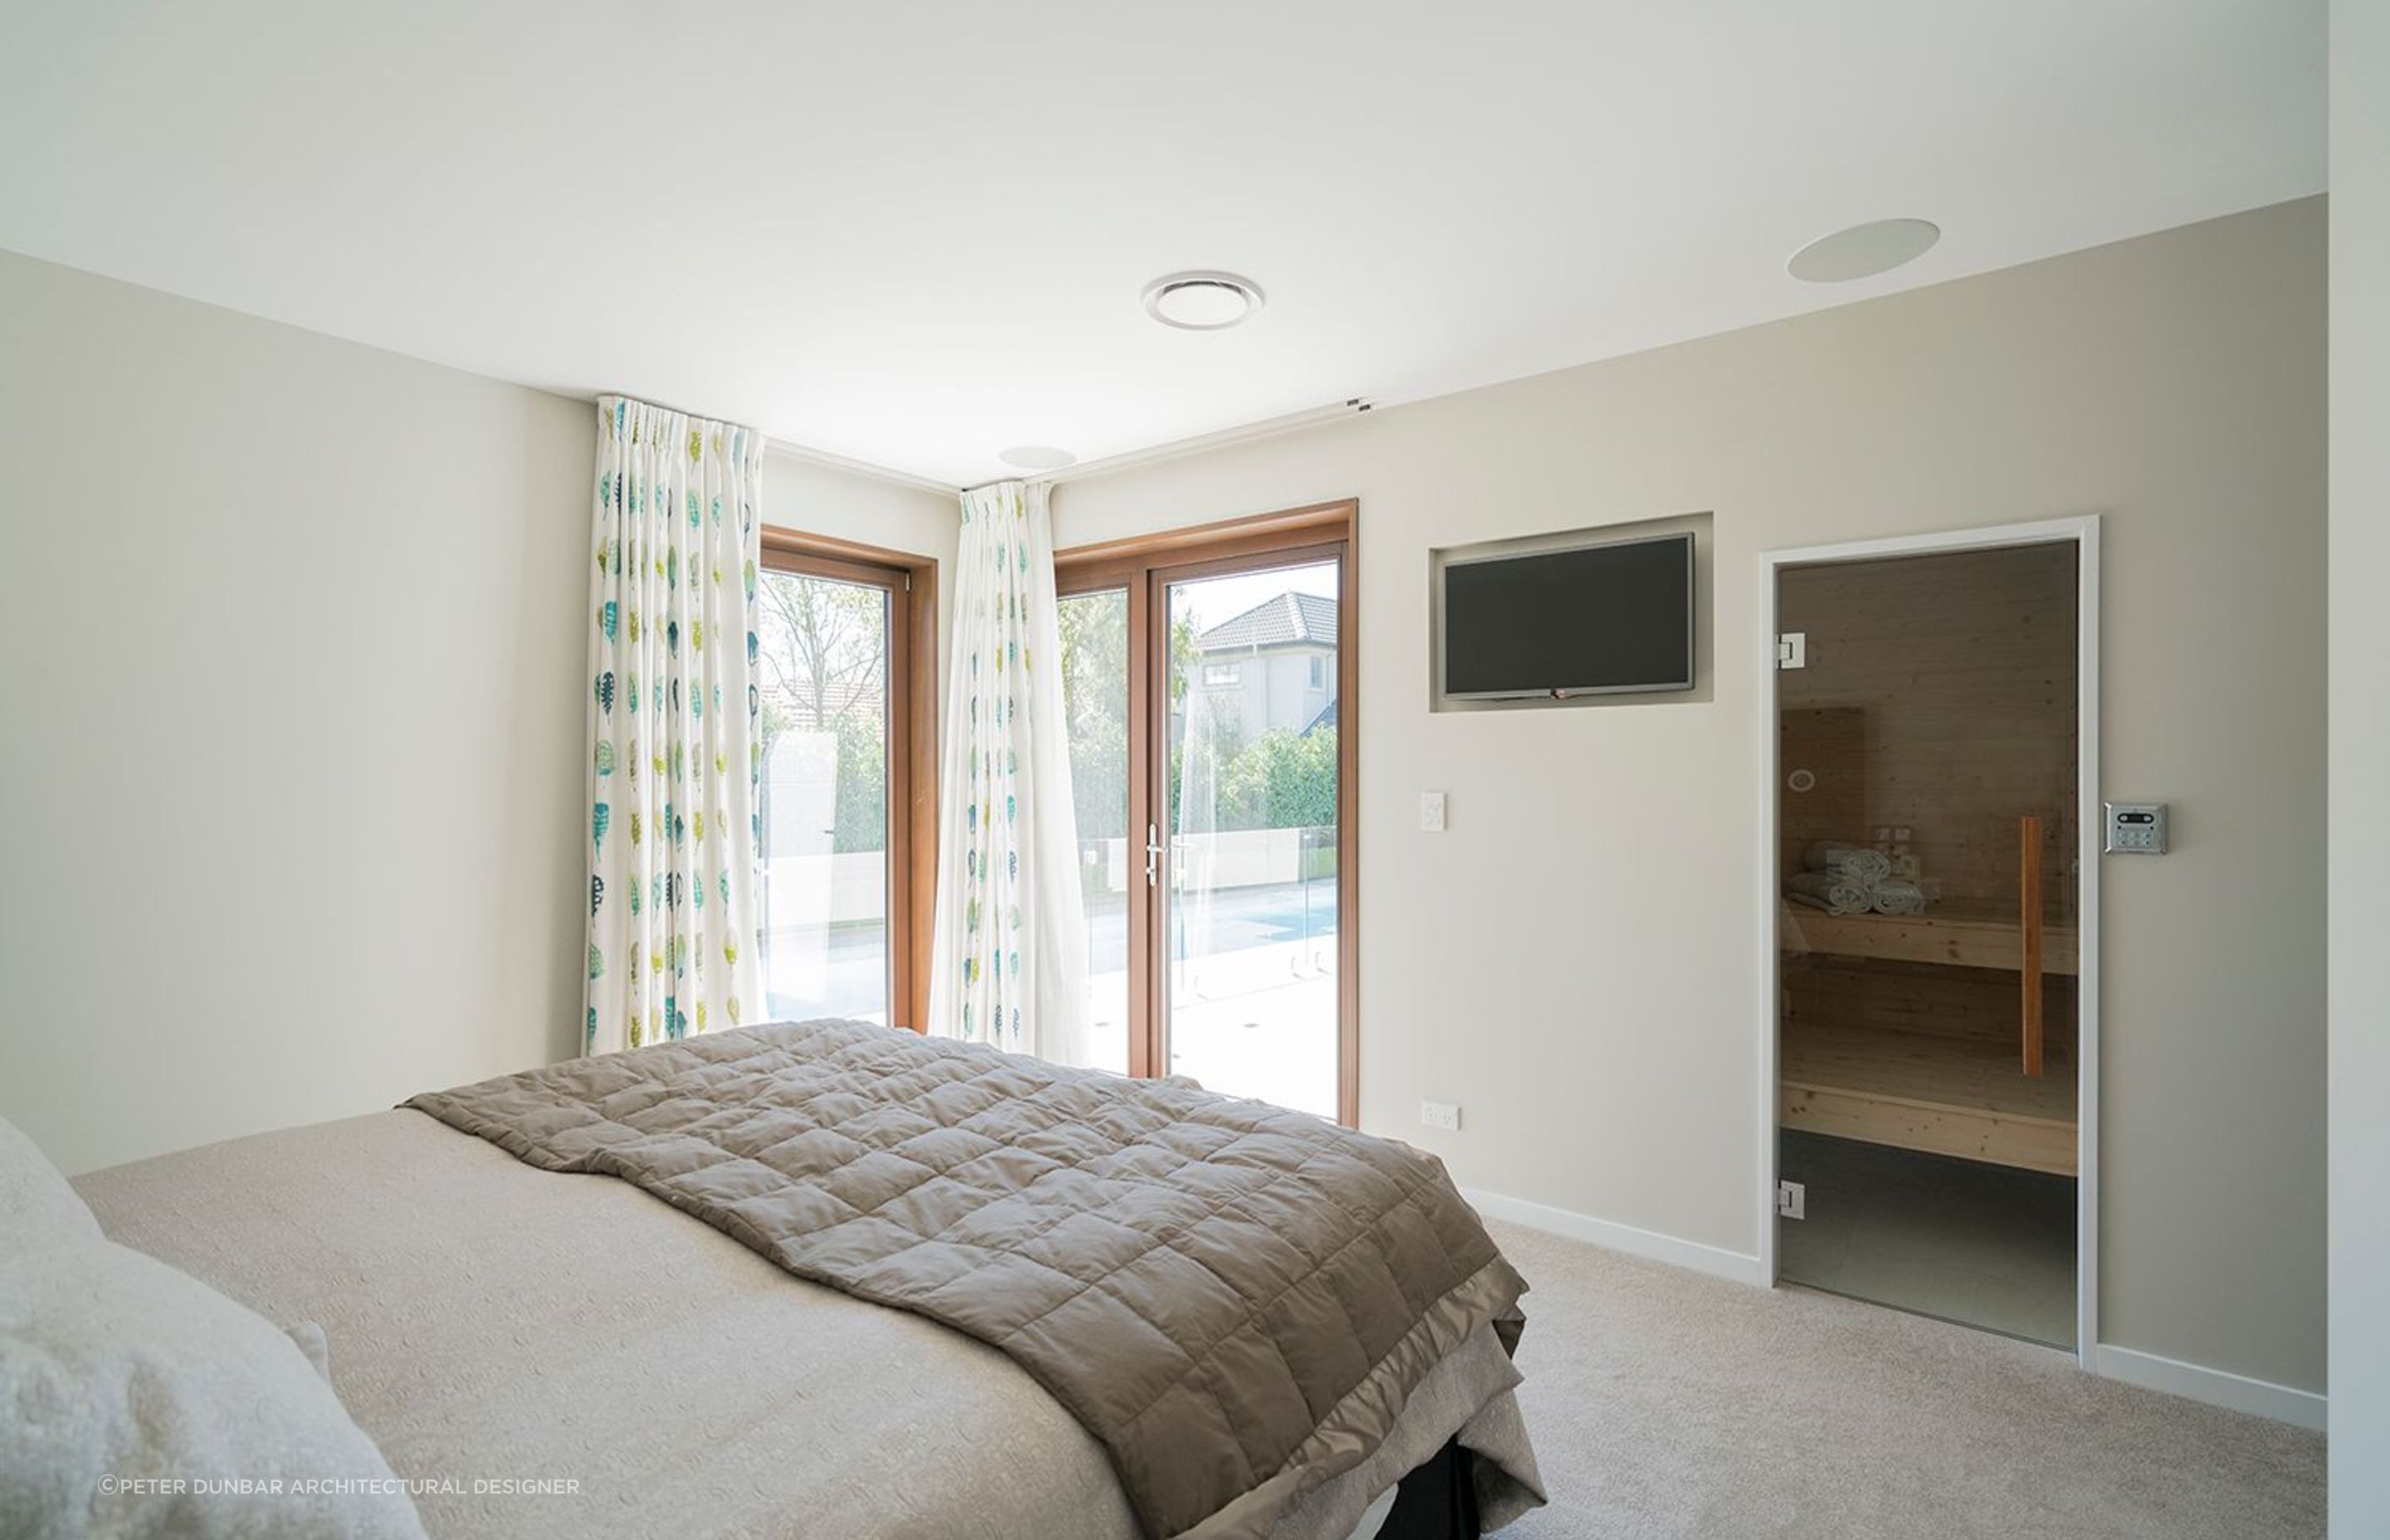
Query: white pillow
[
  {"x": 117, "y": 1370},
  {"x": 37, "y": 1207}
]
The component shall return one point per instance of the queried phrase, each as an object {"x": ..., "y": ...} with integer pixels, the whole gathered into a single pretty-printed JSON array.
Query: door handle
[
  {"x": 1152, "y": 856},
  {"x": 2029, "y": 939}
]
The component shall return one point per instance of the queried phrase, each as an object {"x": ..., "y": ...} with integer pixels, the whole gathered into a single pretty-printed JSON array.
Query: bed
[{"x": 555, "y": 1352}]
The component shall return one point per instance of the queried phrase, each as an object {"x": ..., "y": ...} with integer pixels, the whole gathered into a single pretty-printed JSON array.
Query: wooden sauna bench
[
  {"x": 1950, "y": 1095},
  {"x": 1984, "y": 940}
]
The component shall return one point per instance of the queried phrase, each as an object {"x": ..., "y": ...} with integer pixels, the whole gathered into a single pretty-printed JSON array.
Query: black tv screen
[{"x": 1594, "y": 620}]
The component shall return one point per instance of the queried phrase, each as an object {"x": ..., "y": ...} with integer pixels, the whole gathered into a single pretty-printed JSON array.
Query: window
[
  {"x": 847, "y": 784},
  {"x": 1319, "y": 672},
  {"x": 1220, "y": 674}
]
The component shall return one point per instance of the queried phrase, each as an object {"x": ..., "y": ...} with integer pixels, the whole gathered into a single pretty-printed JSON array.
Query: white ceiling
[{"x": 915, "y": 233}]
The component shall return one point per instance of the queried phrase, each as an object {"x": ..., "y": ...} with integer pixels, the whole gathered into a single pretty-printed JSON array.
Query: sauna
[{"x": 1927, "y": 934}]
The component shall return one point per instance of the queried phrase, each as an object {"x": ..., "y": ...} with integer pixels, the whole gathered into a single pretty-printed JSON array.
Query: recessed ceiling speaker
[
  {"x": 1864, "y": 250},
  {"x": 1201, "y": 302},
  {"x": 1037, "y": 456}
]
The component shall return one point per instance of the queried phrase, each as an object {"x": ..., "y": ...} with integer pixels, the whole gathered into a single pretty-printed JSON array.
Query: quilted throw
[{"x": 1235, "y": 1299}]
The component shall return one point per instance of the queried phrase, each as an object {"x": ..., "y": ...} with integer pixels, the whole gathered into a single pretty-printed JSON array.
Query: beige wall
[
  {"x": 293, "y": 796},
  {"x": 2360, "y": 765},
  {"x": 1599, "y": 1019}
]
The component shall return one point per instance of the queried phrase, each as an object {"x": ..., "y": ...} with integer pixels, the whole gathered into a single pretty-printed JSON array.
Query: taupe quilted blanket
[{"x": 1235, "y": 1299}]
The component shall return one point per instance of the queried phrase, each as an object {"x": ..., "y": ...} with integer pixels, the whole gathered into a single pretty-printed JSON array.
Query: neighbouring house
[{"x": 1273, "y": 666}]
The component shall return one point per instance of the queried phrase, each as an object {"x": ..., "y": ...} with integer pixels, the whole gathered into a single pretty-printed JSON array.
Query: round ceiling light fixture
[
  {"x": 1201, "y": 302},
  {"x": 1864, "y": 250},
  {"x": 1037, "y": 456}
]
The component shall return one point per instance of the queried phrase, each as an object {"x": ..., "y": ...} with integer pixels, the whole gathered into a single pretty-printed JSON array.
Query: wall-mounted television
[{"x": 1609, "y": 618}]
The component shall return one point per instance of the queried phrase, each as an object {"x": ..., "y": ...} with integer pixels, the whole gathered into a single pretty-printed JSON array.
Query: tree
[
  {"x": 822, "y": 648},
  {"x": 1095, "y": 703},
  {"x": 1281, "y": 780},
  {"x": 824, "y": 644}
]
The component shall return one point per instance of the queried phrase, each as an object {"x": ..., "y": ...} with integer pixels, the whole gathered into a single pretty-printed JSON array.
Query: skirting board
[
  {"x": 2171, "y": 1375},
  {"x": 1734, "y": 1266},
  {"x": 2236, "y": 1393}
]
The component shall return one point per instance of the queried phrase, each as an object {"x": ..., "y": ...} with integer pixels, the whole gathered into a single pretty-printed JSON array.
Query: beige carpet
[{"x": 1662, "y": 1403}]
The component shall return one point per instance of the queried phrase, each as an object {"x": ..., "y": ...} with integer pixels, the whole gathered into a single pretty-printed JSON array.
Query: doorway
[
  {"x": 1208, "y": 677},
  {"x": 1931, "y": 1027}
]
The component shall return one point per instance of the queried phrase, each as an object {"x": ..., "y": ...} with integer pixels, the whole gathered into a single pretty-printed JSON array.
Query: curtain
[
  {"x": 1010, "y": 958},
  {"x": 673, "y": 837}
]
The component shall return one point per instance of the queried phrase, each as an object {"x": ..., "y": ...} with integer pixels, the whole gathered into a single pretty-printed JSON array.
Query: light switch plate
[
  {"x": 1431, "y": 812},
  {"x": 2136, "y": 828}
]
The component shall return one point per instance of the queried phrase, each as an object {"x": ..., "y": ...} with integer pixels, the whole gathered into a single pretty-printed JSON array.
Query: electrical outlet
[
  {"x": 1431, "y": 812},
  {"x": 1793, "y": 1200},
  {"x": 1441, "y": 1114}
]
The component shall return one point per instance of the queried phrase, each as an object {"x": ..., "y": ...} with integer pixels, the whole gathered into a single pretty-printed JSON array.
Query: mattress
[{"x": 559, "y": 1354}]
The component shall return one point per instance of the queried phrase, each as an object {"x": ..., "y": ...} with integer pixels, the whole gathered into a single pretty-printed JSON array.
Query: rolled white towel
[
  {"x": 1898, "y": 896},
  {"x": 1855, "y": 861},
  {"x": 1835, "y": 894}
]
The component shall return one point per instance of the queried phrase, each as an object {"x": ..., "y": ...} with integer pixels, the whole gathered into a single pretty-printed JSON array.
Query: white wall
[
  {"x": 293, "y": 723},
  {"x": 2360, "y": 768},
  {"x": 293, "y": 803},
  {"x": 1594, "y": 897}
]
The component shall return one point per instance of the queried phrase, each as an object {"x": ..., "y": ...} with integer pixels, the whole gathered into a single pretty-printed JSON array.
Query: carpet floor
[{"x": 1662, "y": 1403}]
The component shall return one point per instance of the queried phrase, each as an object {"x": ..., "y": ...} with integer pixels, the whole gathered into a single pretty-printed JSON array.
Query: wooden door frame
[
  {"x": 2083, "y": 533},
  {"x": 1145, "y": 566},
  {"x": 911, "y": 583}
]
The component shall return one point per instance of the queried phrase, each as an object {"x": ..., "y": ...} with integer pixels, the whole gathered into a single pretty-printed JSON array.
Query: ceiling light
[
  {"x": 1863, "y": 251},
  {"x": 1037, "y": 456},
  {"x": 1201, "y": 302}
]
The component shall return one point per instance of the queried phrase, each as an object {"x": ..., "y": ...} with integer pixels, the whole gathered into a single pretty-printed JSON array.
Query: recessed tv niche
[{"x": 1613, "y": 618}]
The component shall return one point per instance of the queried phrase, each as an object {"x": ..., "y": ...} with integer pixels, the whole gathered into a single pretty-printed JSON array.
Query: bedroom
[{"x": 308, "y": 315}]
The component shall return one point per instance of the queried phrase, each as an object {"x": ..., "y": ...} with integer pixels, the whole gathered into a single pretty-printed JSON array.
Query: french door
[{"x": 1208, "y": 677}]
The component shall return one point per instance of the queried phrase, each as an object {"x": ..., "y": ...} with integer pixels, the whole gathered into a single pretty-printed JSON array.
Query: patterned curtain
[
  {"x": 672, "y": 842},
  {"x": 1009, "y": 960}
]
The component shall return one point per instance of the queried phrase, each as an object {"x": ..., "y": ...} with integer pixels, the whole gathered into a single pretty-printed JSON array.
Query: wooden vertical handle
[{"x": 2029, "y": 932}]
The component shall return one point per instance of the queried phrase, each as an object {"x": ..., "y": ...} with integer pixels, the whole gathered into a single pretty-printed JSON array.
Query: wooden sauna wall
[
  {"x": 1939, "y": 696},
  {"x": 1959, "y": 668},
  {"x": 1934, "y": 999}
]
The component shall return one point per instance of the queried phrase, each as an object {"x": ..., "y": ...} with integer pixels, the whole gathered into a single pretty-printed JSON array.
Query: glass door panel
[
  {"x": 1251, "y": 1003},
  {"x": 823, "y": 667},
  {"x": 1095, "y": 703}
]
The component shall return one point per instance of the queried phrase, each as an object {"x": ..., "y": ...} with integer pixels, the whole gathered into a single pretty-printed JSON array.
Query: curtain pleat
[
  {"x": 673, "y": 808},
  {"x": 1010, "y": 958}
]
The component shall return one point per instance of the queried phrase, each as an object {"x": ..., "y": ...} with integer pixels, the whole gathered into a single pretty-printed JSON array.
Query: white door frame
[{"x": 2084, "y": 531}]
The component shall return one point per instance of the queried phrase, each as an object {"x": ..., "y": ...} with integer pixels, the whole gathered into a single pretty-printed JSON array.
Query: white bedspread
[{"x": 489, "y": 1322}]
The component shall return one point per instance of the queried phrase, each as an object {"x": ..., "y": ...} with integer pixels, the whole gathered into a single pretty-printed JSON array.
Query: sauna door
[{"x": 1927, "y": 930}]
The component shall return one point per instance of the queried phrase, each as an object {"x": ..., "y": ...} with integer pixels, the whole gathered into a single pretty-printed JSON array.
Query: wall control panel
[{"x": 2136, "y": 828}]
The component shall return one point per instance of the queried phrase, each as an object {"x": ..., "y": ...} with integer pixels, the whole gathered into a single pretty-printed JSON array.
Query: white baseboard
[
  {"x": 2236, "y": 1393},
  {"x": 1734, "y": 1266}
]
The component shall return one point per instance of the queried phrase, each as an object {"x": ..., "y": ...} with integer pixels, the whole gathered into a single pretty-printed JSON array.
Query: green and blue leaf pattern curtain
[
  {"x": 673, "y": 879},
  {"x": 1008, "y": 965}
]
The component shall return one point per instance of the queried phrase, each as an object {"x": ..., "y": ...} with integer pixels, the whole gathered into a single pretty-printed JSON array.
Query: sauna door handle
[{"x": 2029, "y": 938}]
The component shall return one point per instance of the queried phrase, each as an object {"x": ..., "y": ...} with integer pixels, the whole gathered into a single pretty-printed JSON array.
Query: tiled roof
[{"x": 1275, "y": 622}]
